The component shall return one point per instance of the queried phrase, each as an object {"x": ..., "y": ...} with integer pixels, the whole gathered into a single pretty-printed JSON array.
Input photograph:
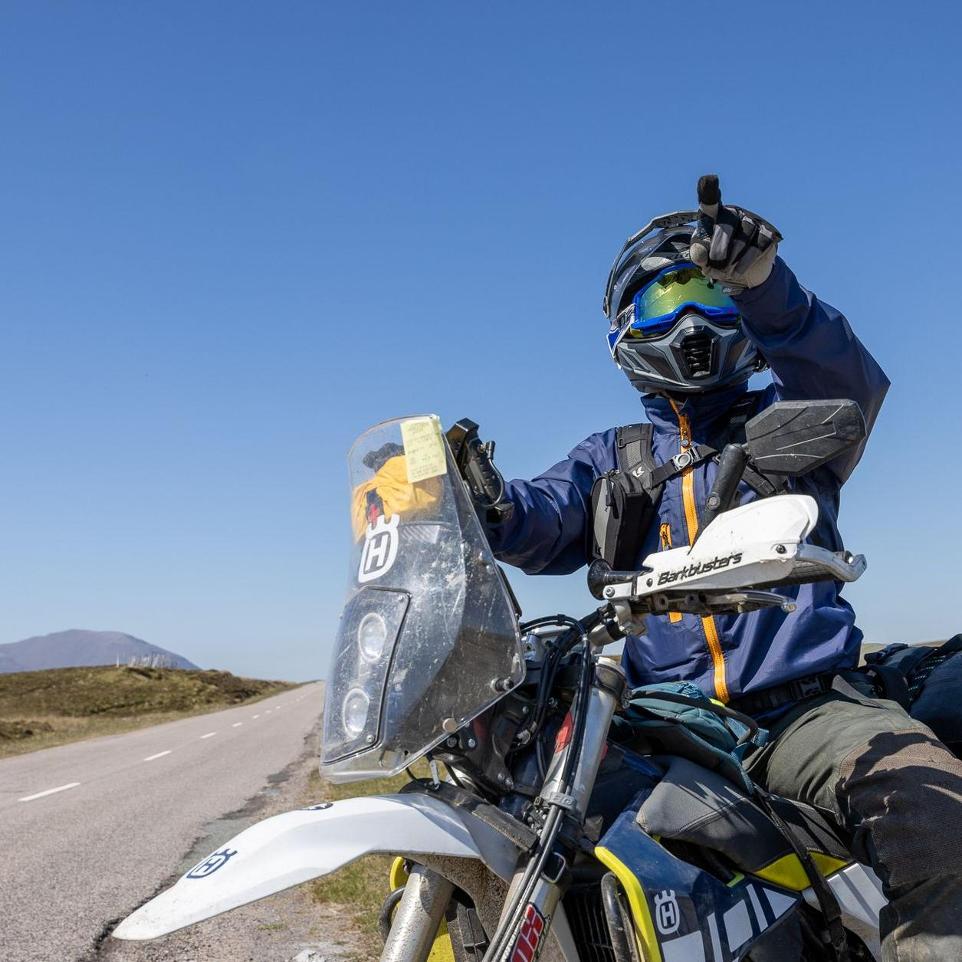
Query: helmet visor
[{"x": 672, "y": 292}]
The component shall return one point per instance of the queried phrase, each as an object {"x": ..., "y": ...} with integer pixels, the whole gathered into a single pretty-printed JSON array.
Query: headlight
[
  {"x": 362, "y": 655},
  {"x": 354, "y": 711},
  {"x": 371, "y": 636}
]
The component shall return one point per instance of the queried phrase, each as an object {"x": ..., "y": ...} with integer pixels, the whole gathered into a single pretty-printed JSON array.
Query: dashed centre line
[
  {"x": 49, "y": 791},
  {"x": 208, "y": 735},
  {"x": 150, "y": 758}
]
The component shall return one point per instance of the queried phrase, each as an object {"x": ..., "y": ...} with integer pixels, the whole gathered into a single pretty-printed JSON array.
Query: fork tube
[
  {"x": 535, "y": 916},
  {"x": 606, "y": 691},
  {"x": 607, "y": 688},
  {"x": 418, "y": 916}
]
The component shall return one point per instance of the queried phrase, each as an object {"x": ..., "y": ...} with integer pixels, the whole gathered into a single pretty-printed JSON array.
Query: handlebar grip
[{"x": 601, "y": 575}]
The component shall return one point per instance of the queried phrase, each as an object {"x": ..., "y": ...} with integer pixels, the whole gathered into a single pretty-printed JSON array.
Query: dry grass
[{"x": 41, "y": 709}]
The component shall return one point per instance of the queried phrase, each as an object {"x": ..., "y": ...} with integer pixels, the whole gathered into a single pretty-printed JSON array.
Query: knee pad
[{"x": 902, "y": 795}]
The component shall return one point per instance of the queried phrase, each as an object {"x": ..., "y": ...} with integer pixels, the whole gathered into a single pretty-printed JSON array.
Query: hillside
[
  {"x": 76, "y": 647},
  {"x": 39, "y": 709}
]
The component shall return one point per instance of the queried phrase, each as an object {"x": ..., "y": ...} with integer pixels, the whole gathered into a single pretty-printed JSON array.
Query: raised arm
[
  {"x": 808, "y": 344},
  {"x": 812, "y": 351}
]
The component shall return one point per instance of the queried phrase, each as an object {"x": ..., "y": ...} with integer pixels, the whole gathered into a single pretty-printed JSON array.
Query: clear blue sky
[{"x": 232, "y": 235}]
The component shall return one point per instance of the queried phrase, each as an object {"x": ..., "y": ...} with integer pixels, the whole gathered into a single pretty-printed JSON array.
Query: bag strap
[
  {"x": 633, "y": 449},
  {"x": 890, "y": 683},
  {"x": 834, "y": 935}
]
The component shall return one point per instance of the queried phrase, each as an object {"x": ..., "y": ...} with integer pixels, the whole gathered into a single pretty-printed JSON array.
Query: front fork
[
  {"x": 418, "y": 916},
  {"x": 427, "y": 894},
  {"x": 607, "y": 688}
]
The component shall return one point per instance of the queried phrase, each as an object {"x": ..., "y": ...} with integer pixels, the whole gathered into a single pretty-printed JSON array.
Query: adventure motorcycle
[{"x": 555, "y": 831}]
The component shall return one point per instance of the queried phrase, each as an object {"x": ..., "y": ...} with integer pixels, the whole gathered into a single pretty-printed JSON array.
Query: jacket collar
[{"x": 704, "y": 411}]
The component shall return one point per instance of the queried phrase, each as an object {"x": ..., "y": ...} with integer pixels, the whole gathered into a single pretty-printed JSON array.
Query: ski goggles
[{"x": 654, "y": 310}]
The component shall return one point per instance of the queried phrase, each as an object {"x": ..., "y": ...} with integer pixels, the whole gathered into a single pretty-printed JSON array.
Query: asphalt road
[{"x": 89, "y": 830}]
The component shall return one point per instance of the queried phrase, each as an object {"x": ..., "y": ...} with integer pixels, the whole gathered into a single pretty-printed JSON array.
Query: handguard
[{"x": 755, "y": 546}]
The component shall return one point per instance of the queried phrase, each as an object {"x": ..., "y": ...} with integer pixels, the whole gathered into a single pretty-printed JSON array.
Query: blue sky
[{"x": 232, "y": 235}]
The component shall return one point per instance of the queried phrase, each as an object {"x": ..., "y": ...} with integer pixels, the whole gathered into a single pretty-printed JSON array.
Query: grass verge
[{"x": 41, "y": 709}]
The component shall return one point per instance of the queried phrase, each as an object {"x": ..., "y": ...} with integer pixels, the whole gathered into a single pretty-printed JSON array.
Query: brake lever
[{"x": 708, "y": 602}]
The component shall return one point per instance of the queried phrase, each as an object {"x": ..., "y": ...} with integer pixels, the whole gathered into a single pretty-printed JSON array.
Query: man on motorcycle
[
  {"x": 695, "y": 308},
  {"x": 693, "y": 314}
]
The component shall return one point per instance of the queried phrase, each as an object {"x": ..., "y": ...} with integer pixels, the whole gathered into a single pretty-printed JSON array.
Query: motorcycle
[{"x": 544, "y": 831}]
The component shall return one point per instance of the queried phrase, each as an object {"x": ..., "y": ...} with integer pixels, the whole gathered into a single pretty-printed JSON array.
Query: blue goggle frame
[{"x": 653, "y": 326}]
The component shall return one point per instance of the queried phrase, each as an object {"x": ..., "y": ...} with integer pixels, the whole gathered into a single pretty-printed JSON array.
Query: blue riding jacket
[{"x": 813, "y": 354}]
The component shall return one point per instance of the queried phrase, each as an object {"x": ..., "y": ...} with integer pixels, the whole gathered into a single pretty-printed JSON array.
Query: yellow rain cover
[{"x": 397, "y": 494}]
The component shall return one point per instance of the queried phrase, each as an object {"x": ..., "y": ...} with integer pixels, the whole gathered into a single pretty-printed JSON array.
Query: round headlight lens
[
  {"x": 371, "y": 636},
  {"x": 354, "y": 711}
]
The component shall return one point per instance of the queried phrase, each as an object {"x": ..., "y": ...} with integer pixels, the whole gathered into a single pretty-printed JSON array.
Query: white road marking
[
  {"x": 150, "y": 758},
  {"x": 208, "y": 735},
  {"x": 257, "y": 716},
  {"x": 237, "y": 725},
  {"x": 49, "y": 791}
]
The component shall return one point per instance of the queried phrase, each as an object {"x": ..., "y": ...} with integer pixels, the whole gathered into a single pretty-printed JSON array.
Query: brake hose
[{"x": 552, "y": 825}]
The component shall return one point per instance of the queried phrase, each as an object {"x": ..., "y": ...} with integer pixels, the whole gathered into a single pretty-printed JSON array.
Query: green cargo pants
[{"x": 887, "y": 780}]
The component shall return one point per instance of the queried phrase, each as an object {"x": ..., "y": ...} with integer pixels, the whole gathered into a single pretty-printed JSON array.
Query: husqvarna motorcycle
[{"x": 549, "y": 829}]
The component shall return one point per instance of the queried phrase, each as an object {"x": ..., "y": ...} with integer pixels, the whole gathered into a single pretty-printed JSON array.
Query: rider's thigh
[
  {"x": 882, "y": 774},
  {"x": 807, "y": 747}
]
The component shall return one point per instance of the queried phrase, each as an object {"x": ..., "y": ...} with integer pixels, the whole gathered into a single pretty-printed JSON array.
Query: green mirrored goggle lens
[{"x": 673, "y": 289}]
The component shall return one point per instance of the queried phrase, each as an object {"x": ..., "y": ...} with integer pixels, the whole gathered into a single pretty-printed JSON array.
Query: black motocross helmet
[{"x": 671, "y": 330}]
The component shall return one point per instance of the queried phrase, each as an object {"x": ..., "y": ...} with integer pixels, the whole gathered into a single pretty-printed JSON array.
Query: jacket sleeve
[
  {"x": 546, "y": 532},
  {"x": 812, "y": 351}
]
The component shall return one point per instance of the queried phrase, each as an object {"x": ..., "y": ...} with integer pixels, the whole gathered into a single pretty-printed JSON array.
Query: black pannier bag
[{"x": 926, "y": 681}]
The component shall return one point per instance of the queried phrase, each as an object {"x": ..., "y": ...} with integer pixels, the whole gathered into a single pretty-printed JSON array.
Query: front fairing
[{"x": 428, "y": 638}]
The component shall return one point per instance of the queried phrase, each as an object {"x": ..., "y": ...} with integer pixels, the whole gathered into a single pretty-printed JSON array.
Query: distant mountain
[{"x": 77, "y": 647}]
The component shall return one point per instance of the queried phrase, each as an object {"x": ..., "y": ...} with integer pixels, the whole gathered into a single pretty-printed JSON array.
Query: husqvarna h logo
[
  {"x": 212, "y": 863},
  {"x": 667, "y": 916},
  {"x": 380, "y": 548}
]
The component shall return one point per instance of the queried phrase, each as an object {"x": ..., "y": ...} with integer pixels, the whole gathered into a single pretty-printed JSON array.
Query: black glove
[
  {"x": 731, "y": 245},
  {"x": 484, "y": 481}
]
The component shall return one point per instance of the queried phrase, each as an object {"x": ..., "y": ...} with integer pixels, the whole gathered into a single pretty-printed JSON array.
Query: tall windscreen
[{"x": 428, "y": 638}]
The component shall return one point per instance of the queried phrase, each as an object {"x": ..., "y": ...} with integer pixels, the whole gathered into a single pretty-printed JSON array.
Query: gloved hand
[
  {"x": 475, "y": 462},
  {"x": 390, "y": 492},
  {"x": 731, "y": 245}
]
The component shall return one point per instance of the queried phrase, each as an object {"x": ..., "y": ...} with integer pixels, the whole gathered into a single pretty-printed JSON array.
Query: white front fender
[{"x": 298, "y": 846}]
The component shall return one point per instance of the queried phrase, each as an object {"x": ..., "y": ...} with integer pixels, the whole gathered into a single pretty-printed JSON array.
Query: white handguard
[{"x": 754, "y": 546}]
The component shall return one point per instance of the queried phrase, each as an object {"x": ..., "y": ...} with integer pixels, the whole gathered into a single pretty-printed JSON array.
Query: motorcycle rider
[{"x": 694, "y": 312}]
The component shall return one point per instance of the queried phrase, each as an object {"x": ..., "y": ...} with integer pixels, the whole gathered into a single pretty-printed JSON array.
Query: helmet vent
[{"x": 696, "y": 348}]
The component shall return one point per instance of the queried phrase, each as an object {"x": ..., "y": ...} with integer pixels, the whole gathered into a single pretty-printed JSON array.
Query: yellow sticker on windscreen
[{"x": 423, "y": 448}]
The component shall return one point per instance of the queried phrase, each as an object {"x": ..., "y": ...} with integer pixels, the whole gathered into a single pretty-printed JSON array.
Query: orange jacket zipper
[
  {"x": 691, "y": 522},
  {"x": 665, "y": 537}
]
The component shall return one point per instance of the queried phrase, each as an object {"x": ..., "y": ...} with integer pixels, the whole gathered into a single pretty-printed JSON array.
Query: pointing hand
[{"x": 731, "y": 245}]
